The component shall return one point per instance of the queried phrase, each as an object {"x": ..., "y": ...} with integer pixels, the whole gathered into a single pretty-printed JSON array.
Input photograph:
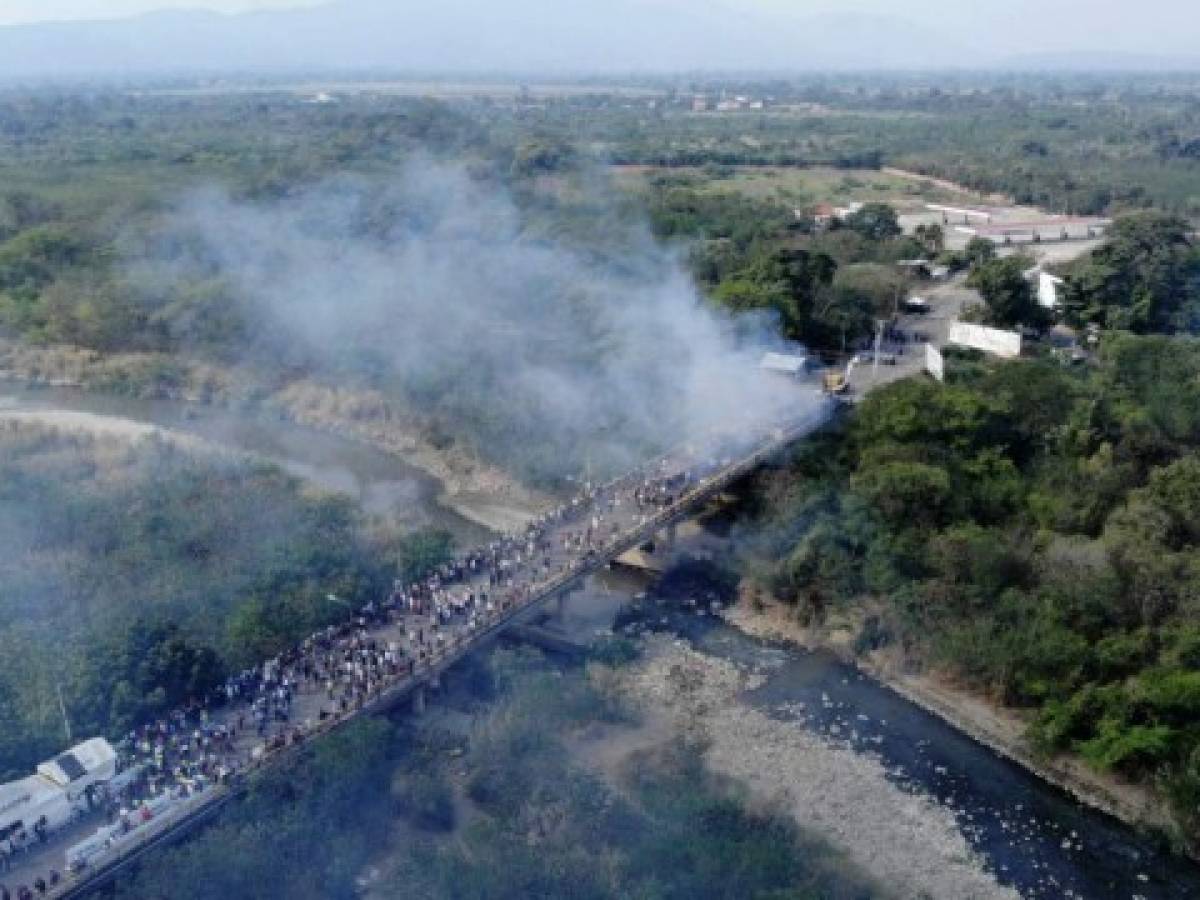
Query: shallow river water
[{"x": 1033, "y": 836}]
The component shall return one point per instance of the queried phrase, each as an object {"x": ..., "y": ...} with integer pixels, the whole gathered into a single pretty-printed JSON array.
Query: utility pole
[
  {"x": 879, "y": 323},
  {"x": 62, "y": 707}
]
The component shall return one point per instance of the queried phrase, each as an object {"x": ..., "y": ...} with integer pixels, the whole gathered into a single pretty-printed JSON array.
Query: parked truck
[{"x": 835, "y": 382}]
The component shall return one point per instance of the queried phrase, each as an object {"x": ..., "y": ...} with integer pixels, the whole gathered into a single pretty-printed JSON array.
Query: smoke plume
[{"x": 541, "y": 350}]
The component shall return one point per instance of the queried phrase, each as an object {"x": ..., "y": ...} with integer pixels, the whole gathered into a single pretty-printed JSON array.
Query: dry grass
[{"x": 808, "y": 186}]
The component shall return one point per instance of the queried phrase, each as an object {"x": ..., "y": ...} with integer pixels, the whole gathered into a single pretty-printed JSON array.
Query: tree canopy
[
  {"x": 1008, "y": 294},
  {"x": 1030, "y": 528},
  {"x": 1144, "y": 278}
]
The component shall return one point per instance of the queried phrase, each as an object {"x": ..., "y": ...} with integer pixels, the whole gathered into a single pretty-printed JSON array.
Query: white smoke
[{"x": 537, "y": 349}]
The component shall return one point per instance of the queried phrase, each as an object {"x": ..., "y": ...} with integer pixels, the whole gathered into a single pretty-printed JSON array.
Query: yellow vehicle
[{"x": 836, "y": 383}]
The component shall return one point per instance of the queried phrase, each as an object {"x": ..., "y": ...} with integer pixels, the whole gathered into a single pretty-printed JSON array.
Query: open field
[{"x": 809, "y": 186}]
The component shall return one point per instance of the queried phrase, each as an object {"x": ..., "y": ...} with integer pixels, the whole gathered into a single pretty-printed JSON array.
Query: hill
[{"x": 519, "y": 36}]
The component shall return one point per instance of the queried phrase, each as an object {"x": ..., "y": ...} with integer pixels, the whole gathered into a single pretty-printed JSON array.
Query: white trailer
[
  {"x": 59, "y": 787},
  {"x": 80, "y": 768},
  {"x": 25, "y": 803},
  {"x": 784, "y": 364}
]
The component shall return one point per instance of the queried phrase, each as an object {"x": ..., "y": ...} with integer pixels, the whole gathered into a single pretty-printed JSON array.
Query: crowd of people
[{"x": 339, "y": 671}]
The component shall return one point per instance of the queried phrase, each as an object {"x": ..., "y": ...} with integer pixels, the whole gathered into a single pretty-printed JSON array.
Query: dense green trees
[
  {"x": 875, "y": 222},
  {"x": 850, "y": 306},
  {"x": 1145, "y": 277},
  {"x": 826, "y": 290},
  {"x": 1033, "y": 530},
  {"x": 980, "y": 250},
  {"x": 780, "y": 278},
  {"x": 1008, "y": 294},
  {"x": 1088, "y": 145}
]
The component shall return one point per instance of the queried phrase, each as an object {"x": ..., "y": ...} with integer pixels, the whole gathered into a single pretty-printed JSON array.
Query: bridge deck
[{"x": 632, "y": 528}]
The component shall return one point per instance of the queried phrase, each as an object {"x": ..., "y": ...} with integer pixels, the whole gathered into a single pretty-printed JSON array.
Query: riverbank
[
  {"x": 111, "y": 427},
  {"x": 907, "y": 841},
  {"x": 999, "y": 729},
  {"x": 471, "y": 487}
]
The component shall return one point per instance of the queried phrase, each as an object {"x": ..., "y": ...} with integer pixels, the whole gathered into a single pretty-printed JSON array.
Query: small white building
[
  {"x": 1048, "y": 287},
  {"x": 1048, "y": 290}
]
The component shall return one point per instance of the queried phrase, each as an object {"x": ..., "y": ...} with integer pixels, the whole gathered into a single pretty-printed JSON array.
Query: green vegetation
[
  {"x": 803, "y": 187},
  {"x": 89, "y": 188},
  {"x": 306, "y": 829},
  {"x": 1080, "y": 144},
  {"x": 825, "y": 289},
  {"x": 1029, "y": 528},
  {"x": 1145, "y": 278},
  {"x": 136, "y": 575},
  {"x": 90, "y": 183},
  {"x": 504, "y": 811},
  {"x": 1007, "y": 293}
]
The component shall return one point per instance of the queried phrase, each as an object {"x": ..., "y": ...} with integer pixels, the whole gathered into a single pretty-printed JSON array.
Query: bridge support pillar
[
  {"x": 418, "y": 700},
  {"x": 669, "y": 536}
]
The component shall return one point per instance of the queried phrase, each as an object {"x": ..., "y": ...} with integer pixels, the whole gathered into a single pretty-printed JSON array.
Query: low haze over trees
[{"x": 136, "y": 577}]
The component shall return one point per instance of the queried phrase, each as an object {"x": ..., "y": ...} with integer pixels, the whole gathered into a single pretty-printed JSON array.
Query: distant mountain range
[{"x": 517, "y": 36}]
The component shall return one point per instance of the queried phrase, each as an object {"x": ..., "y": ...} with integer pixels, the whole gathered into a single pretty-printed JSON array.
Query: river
[
  {"x": 381, "y": 483},
  {"x": 1033, "y": 836}
]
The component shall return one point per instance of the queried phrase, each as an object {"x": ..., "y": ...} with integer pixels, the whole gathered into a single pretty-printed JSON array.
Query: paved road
[{"x": 947, "y": 301}]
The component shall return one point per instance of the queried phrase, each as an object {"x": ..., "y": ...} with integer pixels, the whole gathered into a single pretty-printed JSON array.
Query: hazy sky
[
  {"x": 13, "y": 11},
  {"x": 1008, "y": 26}
]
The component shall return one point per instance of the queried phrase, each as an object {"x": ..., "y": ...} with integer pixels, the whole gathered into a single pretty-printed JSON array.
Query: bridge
[{"x": 686, "y": 478}]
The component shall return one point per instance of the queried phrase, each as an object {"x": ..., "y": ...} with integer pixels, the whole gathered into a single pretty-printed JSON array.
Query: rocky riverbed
[
  {"x": 1002, "y": 730},
  {"x": 907, "y": 841}
]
